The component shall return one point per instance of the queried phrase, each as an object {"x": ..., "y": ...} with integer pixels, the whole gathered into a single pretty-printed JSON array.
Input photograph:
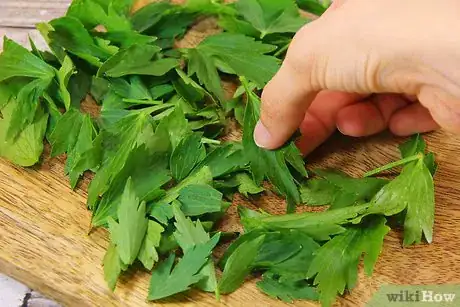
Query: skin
[{"x": 364, "y": 67}]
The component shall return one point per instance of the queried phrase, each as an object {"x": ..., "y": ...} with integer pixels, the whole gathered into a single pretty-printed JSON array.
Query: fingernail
[{"x": 262, "y": 137}]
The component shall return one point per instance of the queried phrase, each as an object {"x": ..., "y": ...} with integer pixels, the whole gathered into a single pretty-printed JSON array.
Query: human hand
[{"x": 366, "y": 66}]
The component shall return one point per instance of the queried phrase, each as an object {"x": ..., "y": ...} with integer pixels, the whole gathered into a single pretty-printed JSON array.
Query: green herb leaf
[
  {"x": 188, "y": 235},
  {"x": 239, "y": 265},
  {"x": 17, "y": 61},
  {"x": 318, "y": 225},
  {"x": 200, "y": 199},
  {"x": 188, "y": 153},
  {"x": 113, "y": 266},
  {"x": 339, "y": 190},
  {"x": 286, "y": 290},
  {"x": 27, "y": 147},
  {"x": 265, "y": 163},
  {"x": 246, "y": 185},
  {"x": 269, "y": 17},
  {"x": 128, "y": 234},
  {"x": 335, "y": 266},
  {"x": 412, "y": 189},
  {"x": 148, "y": 172},
  {"x": 167, "y": 281},
  {"x": 70, "y": 34},
  {"x": 148, "y": 254},
  {"x": 242, "y": 54}
]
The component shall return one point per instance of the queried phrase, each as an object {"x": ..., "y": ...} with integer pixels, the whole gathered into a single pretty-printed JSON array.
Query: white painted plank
[{"x": 26, "y": 13}]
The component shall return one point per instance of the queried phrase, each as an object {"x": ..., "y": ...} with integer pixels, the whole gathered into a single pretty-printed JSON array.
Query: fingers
[
  {"x": 413, "y": 119},
  {"x": 443, "y": 107},
  {"x": 320, "y": 120},
  {"x": 325, "y": 54},
  {"x": 284, "y": 103},
  {"x": 370, "y": 116}
]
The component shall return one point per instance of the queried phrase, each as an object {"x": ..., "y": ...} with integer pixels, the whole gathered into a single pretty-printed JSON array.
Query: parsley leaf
[
  {"x": 412, "y": 189},
  {"x": 149, "y": 15},
  {"x": 286, "y": 290},
  {"x": 245, "y": 56},
  {"x": 16, "y": 61},
  {"x": 189, "y": 234},
  {"x": 246, "y": 185},
  {"x": 126, "y": 133},
  {"x": 109, "y": 15},
  {"x": 200, "y": 199},
  {"x": 86, "y": 154},
  {"x": 70, "y": 34},
  {"x": 265, "y": 163},
  {"x": 188, "y": 153},
  {"x": 239, "y": 264},
  {"x": 137, "y": 60},
  {"x": 148, "y": 172},
  {"x": 148, "y": 254},
  {"x": 335, "y": 266},
  {"x": 27, "y": 147},
  {"x": 63, "y": 75},
  {"x": 128, "y": 234},
  {"x": 318, "y": 225},
  {"x": 269, "y": 16},
  {"x": 113, "y": 266},
  {"x": 166, "y": 280},
  {"x": 339, "y": 190}
]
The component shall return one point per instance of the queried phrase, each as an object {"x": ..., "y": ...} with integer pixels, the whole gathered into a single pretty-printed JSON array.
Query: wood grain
[
  {"x": 44, "y": 224},
  {"x": 26, "y": 13}
]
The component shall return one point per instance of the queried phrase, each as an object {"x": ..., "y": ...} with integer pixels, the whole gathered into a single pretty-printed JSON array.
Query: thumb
[{"x": 332, "y": 53}]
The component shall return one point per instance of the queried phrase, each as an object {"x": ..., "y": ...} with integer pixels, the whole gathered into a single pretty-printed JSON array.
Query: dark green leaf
[
  {"x": 239, "y": 265},
  {"x": 285, "y": 290},
  {"x": 335, "y": 266},
  {"x": 339, "y": 190},
  {"x": 265, "y": 163},
  {"x": 188, "y": 154}
]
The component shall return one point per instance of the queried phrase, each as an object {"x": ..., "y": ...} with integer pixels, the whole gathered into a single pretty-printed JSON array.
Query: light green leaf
[
  {"x": 17, "y": 61},
  {"x": 189, "y": 234},
  {"x": 148, "y": 254},
  {"x": 246, "y": 185},
  {"x": 113, "y": 266},
  {"x": 200, "y": 199},
  {"x": 267, "y": 16},
  {"x": 128, "y": 234},
  {"x": 27, "y": 147},
  {"x": 63, "y": 75}
]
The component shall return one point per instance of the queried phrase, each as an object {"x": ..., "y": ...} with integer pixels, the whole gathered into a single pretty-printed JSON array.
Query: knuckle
[{"x": 444, "y": 107}]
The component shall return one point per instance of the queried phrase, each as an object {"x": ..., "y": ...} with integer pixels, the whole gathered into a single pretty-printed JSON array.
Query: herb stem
[
  {"x": 393, "y": 165},
  {"x": 142, "y": 101},
  {"x": 282, "y": 50},
  {"x": 210, "y": 141}
]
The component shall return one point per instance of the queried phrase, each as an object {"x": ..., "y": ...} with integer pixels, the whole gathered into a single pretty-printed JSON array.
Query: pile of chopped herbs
[{"x": 163, "y": 174}]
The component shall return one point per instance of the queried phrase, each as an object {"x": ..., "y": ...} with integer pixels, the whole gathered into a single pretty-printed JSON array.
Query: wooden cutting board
[{"x": 44, "y": 240}]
